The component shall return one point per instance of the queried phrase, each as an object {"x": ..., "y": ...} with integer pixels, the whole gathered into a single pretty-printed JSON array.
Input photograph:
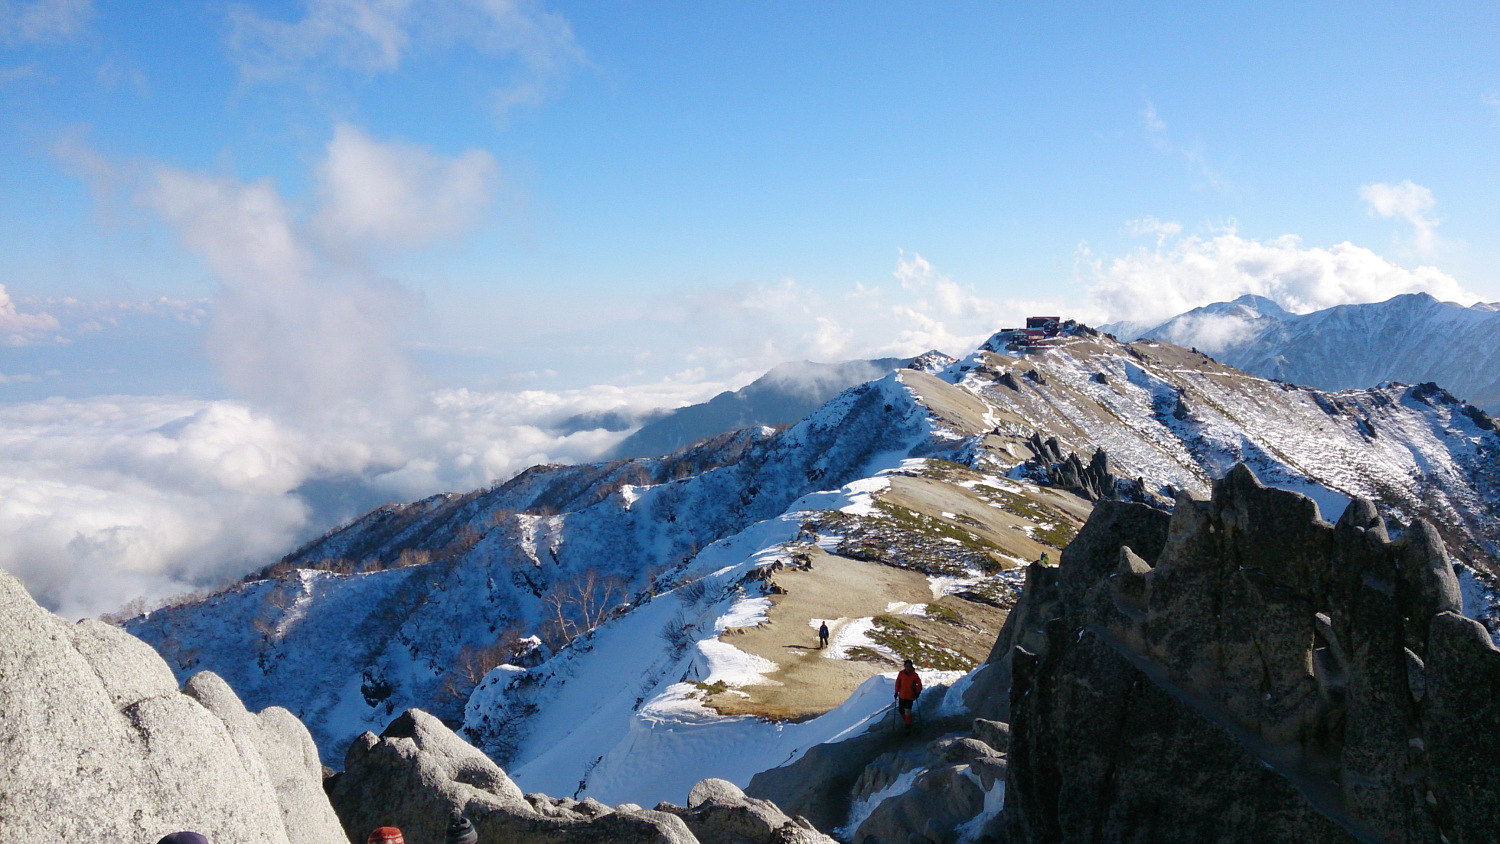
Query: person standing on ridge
[
  {"x": 822, "y": 635},
  {"x": 908, "y": 687}
]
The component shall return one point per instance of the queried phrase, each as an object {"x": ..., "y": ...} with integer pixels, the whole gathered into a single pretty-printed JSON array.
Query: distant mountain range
[
  {"x": 1412, "y": 338},
  {"x": 780, "y": 397}
]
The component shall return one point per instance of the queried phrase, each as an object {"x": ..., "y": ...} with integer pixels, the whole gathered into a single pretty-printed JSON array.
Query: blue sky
[
  {"x": 248, "y": 214},
  {"x": 660, "y": 147}
]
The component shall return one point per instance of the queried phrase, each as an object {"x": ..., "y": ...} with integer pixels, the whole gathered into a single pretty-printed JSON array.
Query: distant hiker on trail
[
  {"x": 461, "y": 831},
  {"x": 1043, "y": 560},
  {"x": 908, "y": 687},
  {"x": 823, "y": 635},
  {"x": 385, "y": 835},
  {"x": 184, "y": 838}
]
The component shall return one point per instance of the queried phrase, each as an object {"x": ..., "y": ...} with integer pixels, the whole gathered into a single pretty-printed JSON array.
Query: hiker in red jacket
[{"x": 908, "y": 686}]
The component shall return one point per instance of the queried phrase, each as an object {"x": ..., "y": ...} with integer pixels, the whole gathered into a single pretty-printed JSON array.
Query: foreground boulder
[
  {"x": 1250, "y": 673},
  {"x": 956, "y": 788},
  {"x": 98, "y": 744},
  {"x": 824, "y": 783},
  {"x": 718, "y": 812},
  {"x": 418, "y": 772}
]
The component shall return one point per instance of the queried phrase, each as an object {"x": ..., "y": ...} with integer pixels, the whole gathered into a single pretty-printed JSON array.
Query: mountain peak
[
  {"x": 1411, "y": 338},
  {"x": 1260, "y": 305}
]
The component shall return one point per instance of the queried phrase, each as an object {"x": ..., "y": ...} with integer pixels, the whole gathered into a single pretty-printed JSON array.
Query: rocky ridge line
[{"x": 1249, "y": 672}]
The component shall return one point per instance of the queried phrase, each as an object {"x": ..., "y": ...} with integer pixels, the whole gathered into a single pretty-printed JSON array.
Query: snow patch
[
  {"x": 747, "y": 612},
  {"x": 863, "y": 808},
  {"x": 943, "y": 585},
  {"x": 1481, "y": 601},
  {"x": 853, "y": 634},
  {"x": 722, "y": 662}
]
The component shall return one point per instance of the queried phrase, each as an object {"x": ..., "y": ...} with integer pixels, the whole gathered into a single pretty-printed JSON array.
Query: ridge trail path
[{"x": 838, "y": 590}]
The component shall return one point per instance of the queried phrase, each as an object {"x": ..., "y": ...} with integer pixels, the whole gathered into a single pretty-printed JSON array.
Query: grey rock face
[
  {"x": 1094, "y": 480},
  {"x": 98, "y": 744},
  {"x": 823, "y": 783},
  {"x": 940, "y": 800},
  {"x": 718, "y": 812},
  {"x": 1259, "y": 675},
  {"x": 418, "y": 771},
  {"x": 951, "y": 781},
  {"x": 996, "y": 734}
]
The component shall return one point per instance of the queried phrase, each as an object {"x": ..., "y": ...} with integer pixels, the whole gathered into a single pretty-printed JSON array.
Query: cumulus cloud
[
  {"x": 18, "y": 328},
  {"x": 376, "y": 36},
  {"x": 1148, "y": 286},
  {"x": 742, "y": 330},
  {"x": 1407, "y": 201},
  {"x": 288, "y": 328},
  {"x": 42, "y": 21},
  {"x": 941, "y": 313},
  {"x": 398, "y": 194},
  {"x": 301, "y": 322},
  {"x": 107, "y": 499}
]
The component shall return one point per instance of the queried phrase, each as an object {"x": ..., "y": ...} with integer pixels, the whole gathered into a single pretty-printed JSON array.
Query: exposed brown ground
[
  {"x": 1004, "y": 529},
  {"x": 807, "y": 683},
  {"x": 838, "y": 590}
]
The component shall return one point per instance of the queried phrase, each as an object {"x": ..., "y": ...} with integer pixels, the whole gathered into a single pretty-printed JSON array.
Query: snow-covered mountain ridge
[
  {"x": 780, "y": 397},
  {"x": 872, "y": 482},
  {"x": 1412, "y": 338}
]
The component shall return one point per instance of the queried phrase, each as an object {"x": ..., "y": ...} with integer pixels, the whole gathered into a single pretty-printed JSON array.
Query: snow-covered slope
[
  {"x": 1412, "y": 338},
  {"x": 383, "y": 621},
  {"x": 780, "y": 397},
  {"x": 934, "y": 473}
]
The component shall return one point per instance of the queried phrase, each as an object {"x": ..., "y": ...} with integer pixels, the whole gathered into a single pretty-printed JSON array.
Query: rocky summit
[
  {"x": 97, "y": 743},
  {"x": 1246, "y": 671},
  {"x": 418, "y": 772}
]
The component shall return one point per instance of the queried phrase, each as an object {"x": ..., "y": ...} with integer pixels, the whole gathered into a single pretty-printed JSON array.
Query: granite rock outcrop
[
  {"x": 1248, "y": 672},
  {"x": 417, "y": 772},
  {"x": 97, "y": 743}
]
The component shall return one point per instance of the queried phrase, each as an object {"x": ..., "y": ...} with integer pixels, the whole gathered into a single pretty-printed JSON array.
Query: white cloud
[
  {"x": 391, "y": 193},
  {"x": 17, "y": 328},
  {"x": 376, "y": 36},
  {"x": 1149, "y": 225},
  {"x": 1192, "y": 155},
  {"x": 289, "y": 328},
  {"x": 1408, "y": 201},
  {"x": 107, "y": 499},
  {"x": 301, "y": 322},
  {"x": 1492, "y": 100},
  {"x": 42, "y": 21},
  {"x": 1150, "y": 286},
  {"x": 366, "y": 35},
  {"x": 745, "y": 329}
]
